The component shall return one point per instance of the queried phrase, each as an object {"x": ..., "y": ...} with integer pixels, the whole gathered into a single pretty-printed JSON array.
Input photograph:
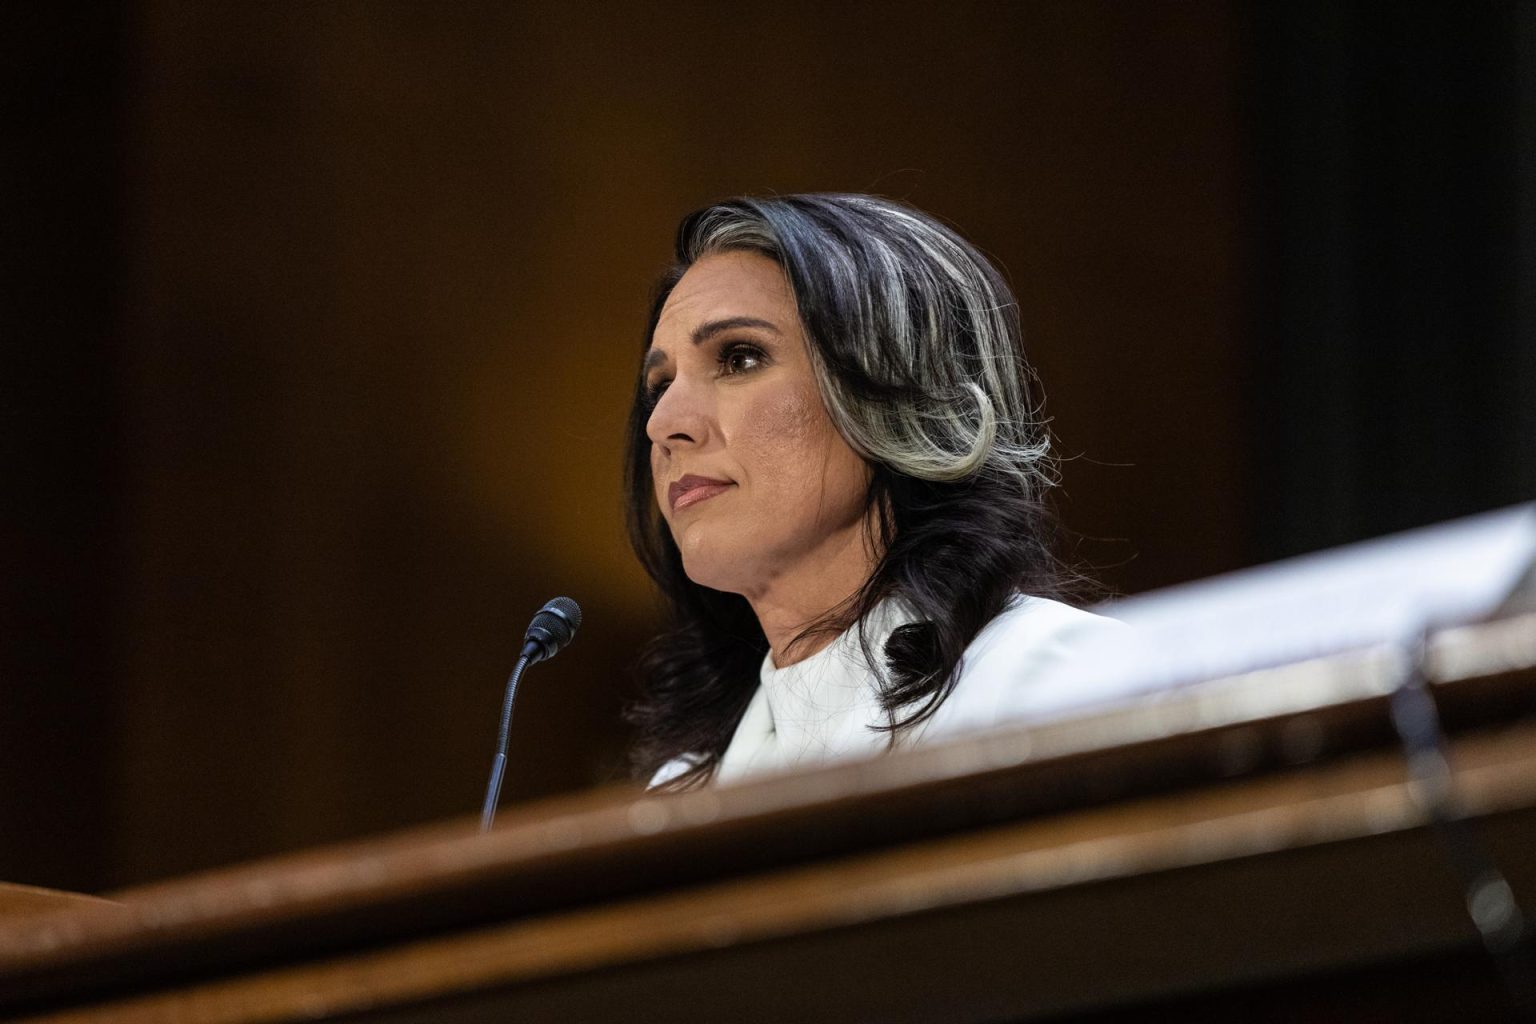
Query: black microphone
[{"x": 551, "y": 629}]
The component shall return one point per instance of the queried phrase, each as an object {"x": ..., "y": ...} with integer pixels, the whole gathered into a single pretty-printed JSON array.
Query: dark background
[{"x": 319, "y": 322}]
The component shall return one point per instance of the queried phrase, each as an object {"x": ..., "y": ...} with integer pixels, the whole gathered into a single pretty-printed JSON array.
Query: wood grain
[
  {"x": 1355, "y": 801},
  {"x": 990, "y": 831}
]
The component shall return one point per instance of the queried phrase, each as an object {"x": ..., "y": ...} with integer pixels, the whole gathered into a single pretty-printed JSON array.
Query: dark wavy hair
[{"x": 918, "y": 355}]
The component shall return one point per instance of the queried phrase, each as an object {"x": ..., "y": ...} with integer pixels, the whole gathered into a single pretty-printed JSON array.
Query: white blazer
[{"x": 822, "y": 709}]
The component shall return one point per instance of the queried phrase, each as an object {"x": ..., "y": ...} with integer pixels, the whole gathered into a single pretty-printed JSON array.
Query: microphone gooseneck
[{"x": 551, "y": 629}]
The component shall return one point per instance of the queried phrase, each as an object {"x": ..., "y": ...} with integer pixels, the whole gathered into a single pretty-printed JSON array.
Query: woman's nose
[{"x": 680, "y": 416}]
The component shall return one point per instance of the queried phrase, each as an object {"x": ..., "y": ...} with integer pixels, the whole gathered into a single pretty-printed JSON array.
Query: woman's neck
[{"x": 819, "y": 583}]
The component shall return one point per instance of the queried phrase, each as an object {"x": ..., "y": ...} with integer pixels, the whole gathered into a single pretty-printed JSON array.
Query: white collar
[{"x": 823, "y": 707}]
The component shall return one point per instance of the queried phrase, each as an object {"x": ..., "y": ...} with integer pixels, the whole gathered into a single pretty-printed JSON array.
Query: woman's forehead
[{"x": 723, "y": 286}]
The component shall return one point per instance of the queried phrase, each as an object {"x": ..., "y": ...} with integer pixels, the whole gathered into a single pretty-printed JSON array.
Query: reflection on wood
[{"x": 18, "y": 901}]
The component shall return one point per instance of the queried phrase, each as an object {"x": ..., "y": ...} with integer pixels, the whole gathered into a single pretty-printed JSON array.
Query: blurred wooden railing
[{"x": 1247, "y": 842}]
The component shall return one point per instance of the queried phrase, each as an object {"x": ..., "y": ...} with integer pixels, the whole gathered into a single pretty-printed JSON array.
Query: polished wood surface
[
  {"x": 17, "y": 901},
  {"x": 1246, "y": 830}
]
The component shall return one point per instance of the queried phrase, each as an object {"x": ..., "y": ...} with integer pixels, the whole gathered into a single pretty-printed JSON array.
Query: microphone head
[{"x": 552, "y": 628}]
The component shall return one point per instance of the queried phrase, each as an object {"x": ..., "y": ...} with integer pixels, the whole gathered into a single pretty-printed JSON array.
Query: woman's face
[{"x": 753, "y": 479}]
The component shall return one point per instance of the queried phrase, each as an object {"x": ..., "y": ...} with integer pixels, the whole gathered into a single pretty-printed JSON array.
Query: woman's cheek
[
  {"x": 657, "y": 476},
  {"x": 779, "y": 447},
  {"x": 820, "y": 482}
]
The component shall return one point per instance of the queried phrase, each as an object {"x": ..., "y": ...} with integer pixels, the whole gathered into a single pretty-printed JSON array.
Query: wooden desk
[
  {"x": 18, "y": 901},
  {"x": 1247, "y": 846}
]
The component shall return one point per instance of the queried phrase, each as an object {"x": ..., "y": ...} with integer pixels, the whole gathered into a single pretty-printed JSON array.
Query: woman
[{"x": 837, "y": 474}]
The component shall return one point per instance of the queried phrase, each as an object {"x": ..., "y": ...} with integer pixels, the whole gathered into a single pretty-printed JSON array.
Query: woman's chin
[
  {"x": 718, "y": 578},
  {"x": 718, "y": 570}
]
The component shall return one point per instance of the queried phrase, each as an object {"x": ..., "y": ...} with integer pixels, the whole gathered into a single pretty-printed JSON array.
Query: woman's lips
[{"x": 691, "y": 490}]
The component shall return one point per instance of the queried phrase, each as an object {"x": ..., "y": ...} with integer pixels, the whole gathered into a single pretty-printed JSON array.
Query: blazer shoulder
[{"x": 1027, "y": 642}]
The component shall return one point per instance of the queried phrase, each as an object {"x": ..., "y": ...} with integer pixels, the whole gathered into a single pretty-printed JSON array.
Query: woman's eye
[
  {"x": 653, "y": 391},
  {"x": 740, "y": 359}
]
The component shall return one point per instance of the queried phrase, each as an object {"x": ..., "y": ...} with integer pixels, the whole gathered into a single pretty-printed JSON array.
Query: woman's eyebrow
[
  {"x": 702, "y": 333},
  {"x": 705, "y": 331}
]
